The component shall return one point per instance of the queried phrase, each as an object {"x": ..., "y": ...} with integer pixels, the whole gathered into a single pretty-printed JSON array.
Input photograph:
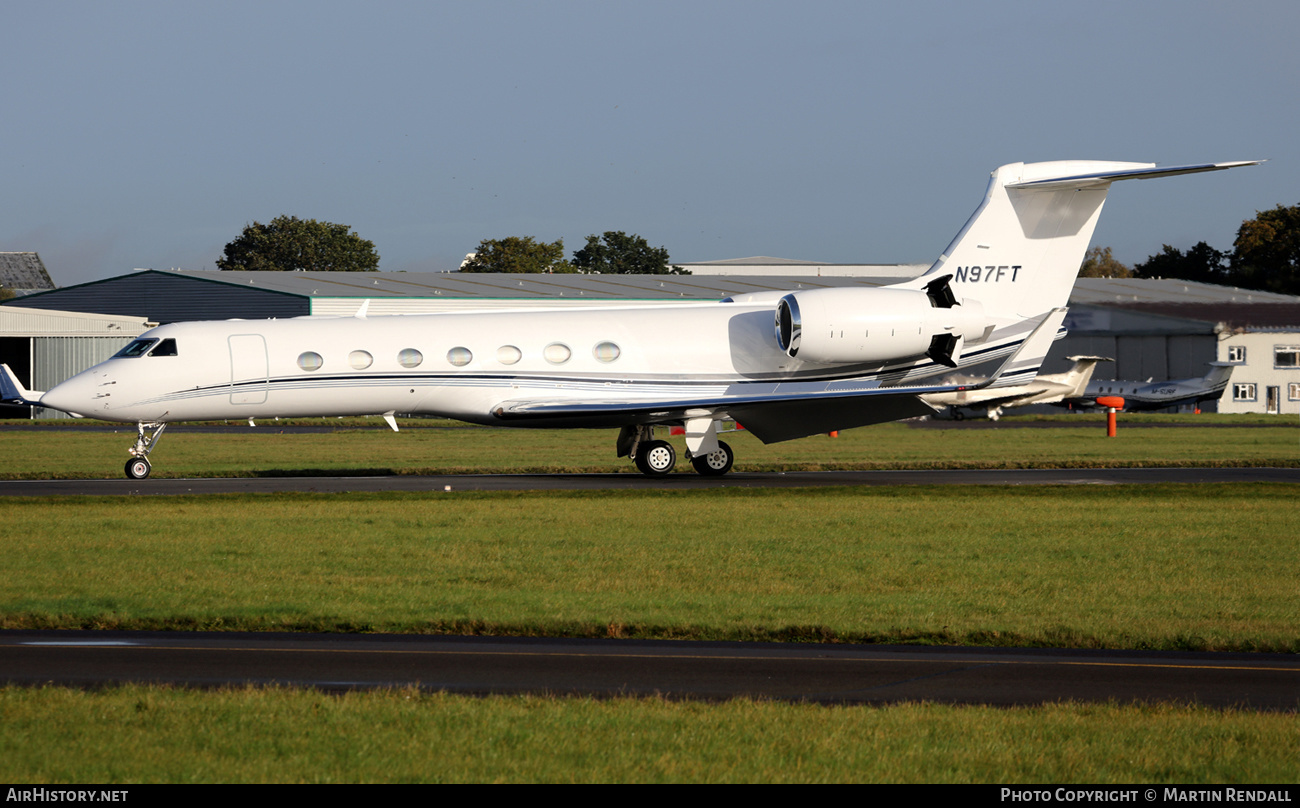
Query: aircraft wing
[
  {"x": 987, "y": 397},
  {"x": 780, "y": 411}
]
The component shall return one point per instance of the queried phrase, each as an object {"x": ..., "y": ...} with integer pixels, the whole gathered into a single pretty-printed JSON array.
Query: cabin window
[
  {"x": 606, "y": 352},
  {"x": 557, "y": 353},
  {"x": 1236, "y": 353},
  {"x": 509, "y": 354},
  {"x": 1243, "y": 391},
  {"x": 310, "y": 360},
  {"x": 360, "y": 359},
  {"x": 136, "y": 348},
  {"x": 165, "y": 348},
  {"x": 409, "y": 358},
  {"x": 460, "y": 357}
]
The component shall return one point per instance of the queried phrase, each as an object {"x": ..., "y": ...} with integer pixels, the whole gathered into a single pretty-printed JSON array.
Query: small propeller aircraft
[
  {"x": 1151, "y": 395},
  {"x": 783, "y": 364}
]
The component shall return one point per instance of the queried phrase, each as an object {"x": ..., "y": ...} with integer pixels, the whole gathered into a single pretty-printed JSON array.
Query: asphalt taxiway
[
  {"x": 675, "y": 482},
  {"x": 604, "y": 668}
]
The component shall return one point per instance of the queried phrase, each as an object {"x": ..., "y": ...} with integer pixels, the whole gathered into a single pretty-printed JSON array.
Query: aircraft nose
[{"x": 75, "y": 396}]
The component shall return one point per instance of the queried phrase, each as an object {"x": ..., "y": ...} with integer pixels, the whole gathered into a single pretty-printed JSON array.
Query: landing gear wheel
[
  {"x": 137, "y": 468},
  {"x": 715, "y": 464},
  {"x": 656, "y": 458}
]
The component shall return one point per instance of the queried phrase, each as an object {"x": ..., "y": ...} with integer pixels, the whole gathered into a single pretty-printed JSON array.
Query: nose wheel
[{"x": 138, "y": 467}]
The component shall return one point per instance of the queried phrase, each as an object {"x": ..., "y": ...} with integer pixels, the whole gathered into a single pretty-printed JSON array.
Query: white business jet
[
  {"x": 783, "y": 364},
  {"x": 1046, "y": 388}
]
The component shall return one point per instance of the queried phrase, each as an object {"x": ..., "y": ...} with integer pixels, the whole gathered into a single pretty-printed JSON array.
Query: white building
[{"x": 1269, "y": 381}]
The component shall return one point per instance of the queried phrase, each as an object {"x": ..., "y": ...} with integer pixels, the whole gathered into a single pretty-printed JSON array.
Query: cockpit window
[
  {"x": 165, "y": 348},
  {"x": 136, "y": 348}
]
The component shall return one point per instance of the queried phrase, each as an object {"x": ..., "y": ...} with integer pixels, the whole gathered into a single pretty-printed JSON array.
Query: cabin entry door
[{"x": 248, "y": 369}]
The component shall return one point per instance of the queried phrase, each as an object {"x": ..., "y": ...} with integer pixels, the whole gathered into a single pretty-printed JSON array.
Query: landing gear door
[{"x": 248, "y": 369}]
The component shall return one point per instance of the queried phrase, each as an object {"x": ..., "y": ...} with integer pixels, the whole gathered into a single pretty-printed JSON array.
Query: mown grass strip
[
  {"x": 160, "y": 735},
  {"x": 264, "y": 451},
  {"x": 1161, "y": 566}
]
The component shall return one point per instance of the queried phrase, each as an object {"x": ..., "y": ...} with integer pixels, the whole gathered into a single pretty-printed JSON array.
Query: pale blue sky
[{"x": 147, "y": 134}]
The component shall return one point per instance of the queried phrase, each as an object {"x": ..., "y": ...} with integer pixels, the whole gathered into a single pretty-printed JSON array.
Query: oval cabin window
[
  {"x": 410, "y": 358},
  {"x": 460, "y": 357},
  {"x": 557, "y": 353},
  {"x": 310, "y": 360},
  {"x": 606, "y": 352},
  {"x": 360, "y": 359}
]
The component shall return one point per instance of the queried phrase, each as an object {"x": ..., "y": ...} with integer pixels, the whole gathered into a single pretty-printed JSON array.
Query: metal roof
[
  {"x": 17, "y": 321},
  {"x": 1103, "y": 291},
  {"x": 173, "y": 295},
  {"x": 514, "y": 286},
  {"x": 23, "y": 272}
]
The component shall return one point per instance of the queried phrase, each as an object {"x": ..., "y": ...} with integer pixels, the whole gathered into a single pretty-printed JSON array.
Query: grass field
[
  {"x": 1179, "y": 567},
  {"x": 148, "y": 734},
  {"x": 1078, "y": 441},
  {"x": 1160, "y": 566}
]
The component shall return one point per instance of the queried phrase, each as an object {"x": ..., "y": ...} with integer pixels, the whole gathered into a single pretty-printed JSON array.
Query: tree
[
  {"x": 1267, "y": 251},
  {"x": 518, "y": 254},
  {"x": 1099, "y": 263},
  {"x": 617, "y": 253},
  {"x": 1201, "y": 263},
  {"x": 291, "y": 244}
]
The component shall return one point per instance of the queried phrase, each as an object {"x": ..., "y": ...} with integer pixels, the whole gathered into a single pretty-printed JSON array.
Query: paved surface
[
  {"x": 822, "y": 673},
  {"x": 591, "y": 482}
]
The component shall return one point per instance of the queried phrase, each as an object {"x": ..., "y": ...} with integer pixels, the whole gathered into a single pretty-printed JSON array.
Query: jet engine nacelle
[{"x": 840, "y": 326}]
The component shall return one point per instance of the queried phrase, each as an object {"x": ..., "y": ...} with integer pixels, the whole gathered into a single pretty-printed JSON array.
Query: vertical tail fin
[
  {"x": 1219, "y": 373},
  {"x": 13, "y": 392},
  {"x": 1020, "y": 252},
  {"x": 1080, "y": 374}
]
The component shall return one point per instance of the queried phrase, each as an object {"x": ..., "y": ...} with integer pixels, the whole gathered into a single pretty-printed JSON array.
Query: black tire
[
  {"x": 715, "y": 464},
  {"x": 656, "y": 458},
  {"x": 137, "y": 468}
]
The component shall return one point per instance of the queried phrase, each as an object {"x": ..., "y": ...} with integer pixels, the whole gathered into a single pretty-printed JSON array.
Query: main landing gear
[
  {"x": 655, "y": 458},
  {"x": 137, "y": 468}
]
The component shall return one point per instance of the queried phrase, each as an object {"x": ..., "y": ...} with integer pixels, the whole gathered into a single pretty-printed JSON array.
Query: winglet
[
  {"x": 13, "y": 392},
  {"x": 1022, "y": 366}
]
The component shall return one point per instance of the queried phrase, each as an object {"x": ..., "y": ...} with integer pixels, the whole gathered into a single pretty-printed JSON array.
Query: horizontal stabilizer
[{"x": 1134, "y": 171}]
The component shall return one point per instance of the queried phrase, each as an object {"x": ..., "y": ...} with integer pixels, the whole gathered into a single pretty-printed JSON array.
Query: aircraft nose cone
[{"x": 75, "y": 396}]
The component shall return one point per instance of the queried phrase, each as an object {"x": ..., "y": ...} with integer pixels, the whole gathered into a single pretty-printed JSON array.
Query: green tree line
[
  {"x": 1264, "y": 256},
  {"x": 614, "y": 253}
]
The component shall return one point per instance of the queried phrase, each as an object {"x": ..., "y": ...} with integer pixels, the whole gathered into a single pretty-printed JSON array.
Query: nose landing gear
[{"x": 138, "y": 467}]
